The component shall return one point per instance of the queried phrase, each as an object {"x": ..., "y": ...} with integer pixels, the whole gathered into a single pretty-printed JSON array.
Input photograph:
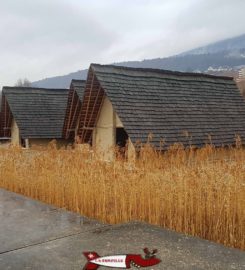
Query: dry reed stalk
[{"x": 198, "y": 192}]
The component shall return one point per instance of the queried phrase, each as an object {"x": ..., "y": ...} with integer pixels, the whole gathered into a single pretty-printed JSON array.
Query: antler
[{"x": 149, "y": 254}]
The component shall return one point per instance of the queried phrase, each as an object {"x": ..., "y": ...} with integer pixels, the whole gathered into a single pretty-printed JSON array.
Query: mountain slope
[
  {"x": 61, "y": 81},
  {"x": 235, "y": 44},
  {"x": 224, "y": 57}
]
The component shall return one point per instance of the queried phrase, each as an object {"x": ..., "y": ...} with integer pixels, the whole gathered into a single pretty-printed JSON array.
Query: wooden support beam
[
  {"x": 70, "y": 113},
  {"x": 100, "y": 107},
  {"x": 88, "y": 103},
  {"x": 75, "y": 112},
  {"x": 94, "y": 106},
  {"x": 5, "y": 113},
  {"x": 7, "y": 119},
  {"x": 88, "y": 128}
]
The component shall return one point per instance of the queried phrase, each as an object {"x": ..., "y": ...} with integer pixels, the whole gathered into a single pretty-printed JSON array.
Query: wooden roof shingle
[
  {"x": 38, "y": 112},
  {"x": 78, "y": 86}
]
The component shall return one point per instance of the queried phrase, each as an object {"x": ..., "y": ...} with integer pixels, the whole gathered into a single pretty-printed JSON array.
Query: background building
[{"x": 33, "y": 116}]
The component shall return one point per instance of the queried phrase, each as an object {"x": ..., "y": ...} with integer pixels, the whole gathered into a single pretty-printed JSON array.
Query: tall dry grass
[{"x": 200, "y": 192}]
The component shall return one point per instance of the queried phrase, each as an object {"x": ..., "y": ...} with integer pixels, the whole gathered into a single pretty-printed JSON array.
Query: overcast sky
[{"x": 45, "y": 38}]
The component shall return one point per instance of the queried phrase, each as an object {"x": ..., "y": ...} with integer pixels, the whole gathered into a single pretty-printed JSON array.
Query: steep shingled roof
[
  {"x": 189, "y": 108},
  {"x": 78, "y": 86},
  {"x": 39, "y": 112},
  {"x": 73, "y": 107}
]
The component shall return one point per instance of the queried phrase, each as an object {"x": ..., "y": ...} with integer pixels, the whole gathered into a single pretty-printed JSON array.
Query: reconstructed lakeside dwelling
[
  {"x": 122, "y": 106},
  {"x": 33, "y": 116}
]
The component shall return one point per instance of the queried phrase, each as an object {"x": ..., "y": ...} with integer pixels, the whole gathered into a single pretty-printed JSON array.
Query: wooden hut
[
  {"x": 33, "y": 116},
  {"x": 122, "y": 104}
]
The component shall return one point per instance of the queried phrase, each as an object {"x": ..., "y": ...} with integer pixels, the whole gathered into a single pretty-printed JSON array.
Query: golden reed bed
[{"x": 200, "y": 192}]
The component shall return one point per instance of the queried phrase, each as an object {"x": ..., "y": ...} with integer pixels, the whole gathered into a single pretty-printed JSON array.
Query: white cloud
[{"x": 43, "y": 38}]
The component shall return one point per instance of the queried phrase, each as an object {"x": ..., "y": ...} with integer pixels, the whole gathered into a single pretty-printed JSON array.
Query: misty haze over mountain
[{"x": 221, "y": 57}]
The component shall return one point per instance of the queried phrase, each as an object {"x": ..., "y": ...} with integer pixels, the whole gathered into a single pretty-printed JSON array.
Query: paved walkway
[{"x": 34, "y": 235}]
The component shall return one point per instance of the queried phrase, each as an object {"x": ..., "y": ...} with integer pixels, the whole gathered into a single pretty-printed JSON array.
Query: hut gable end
[{"x": 73, "y": 108}]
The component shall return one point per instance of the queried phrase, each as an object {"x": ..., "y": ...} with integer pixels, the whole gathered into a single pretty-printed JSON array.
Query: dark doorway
[
  {"x": 121, "y": 137},
  {"x": 22, "y": 142},
  {"x": 121, "y": 141}
]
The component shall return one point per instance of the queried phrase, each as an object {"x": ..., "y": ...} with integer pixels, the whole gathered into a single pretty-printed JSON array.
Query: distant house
[
  {"x": 241, "y": 75},
  {"x": 33, "y": 116},
  {"x": 124, "y": 105},
  {"x": 73, "y": 109}
]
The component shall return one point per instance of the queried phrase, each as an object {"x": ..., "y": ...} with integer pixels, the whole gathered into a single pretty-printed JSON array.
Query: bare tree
[{"x": 23, "y": 83}]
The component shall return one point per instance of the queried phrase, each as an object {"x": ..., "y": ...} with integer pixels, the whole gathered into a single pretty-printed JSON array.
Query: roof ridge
[
  {"x": 32, "y": 88},
  {"x": 164, "y": 71},
  {"x": 76, "y": 80}
]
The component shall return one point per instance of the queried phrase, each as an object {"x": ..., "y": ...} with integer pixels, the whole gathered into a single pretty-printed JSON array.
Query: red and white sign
[{"x": 121, "y": 261}]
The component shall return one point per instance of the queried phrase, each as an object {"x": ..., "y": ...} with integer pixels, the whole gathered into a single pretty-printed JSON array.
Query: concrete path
[{"x": 34, "y": 235}]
